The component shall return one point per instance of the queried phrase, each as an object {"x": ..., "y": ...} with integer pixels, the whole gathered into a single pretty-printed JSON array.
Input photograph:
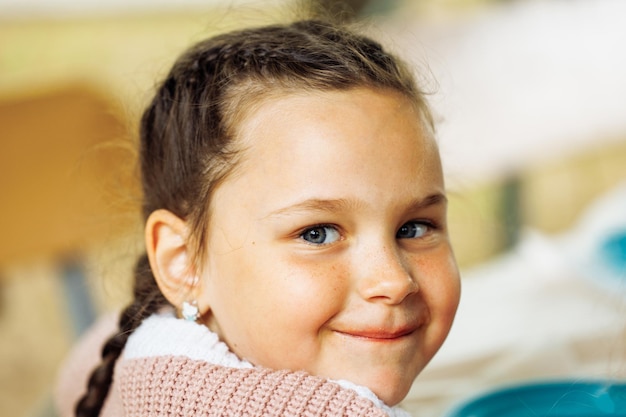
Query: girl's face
[{"x": 328, "y": 250}]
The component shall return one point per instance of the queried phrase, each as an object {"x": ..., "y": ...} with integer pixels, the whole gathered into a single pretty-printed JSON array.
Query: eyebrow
[
  {"x": 341, "y": 204},
  {"x": 431, "y": 200}
]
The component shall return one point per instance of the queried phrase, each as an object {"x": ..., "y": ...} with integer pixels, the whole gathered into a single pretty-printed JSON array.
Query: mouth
[{"x": 379, "y": 335}]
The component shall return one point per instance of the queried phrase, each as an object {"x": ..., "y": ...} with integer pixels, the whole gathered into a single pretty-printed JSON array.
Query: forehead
[
  {"x": 282, "y": 109},
  {"x": 366, "y": 139},
  {"x": 290, "y": 117},
  {"x": 253, "y": 101}
]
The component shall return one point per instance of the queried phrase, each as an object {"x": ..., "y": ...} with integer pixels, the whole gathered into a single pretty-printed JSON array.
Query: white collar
[{"x": 163, "y": 334}]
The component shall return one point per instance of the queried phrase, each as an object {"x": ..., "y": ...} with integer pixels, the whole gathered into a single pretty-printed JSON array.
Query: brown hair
[{"x": 186, "y": 132}]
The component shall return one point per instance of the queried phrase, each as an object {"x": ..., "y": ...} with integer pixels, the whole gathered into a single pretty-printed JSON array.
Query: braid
[{"x": 147, "y": 300}]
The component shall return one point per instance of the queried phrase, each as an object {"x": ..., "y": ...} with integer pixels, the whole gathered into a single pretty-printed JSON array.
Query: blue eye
[
  {"x": 320, "y": 235},
  {"x": 412, "y": 230}
]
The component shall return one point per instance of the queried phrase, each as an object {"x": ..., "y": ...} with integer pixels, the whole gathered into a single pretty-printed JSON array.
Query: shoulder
[
  {"x": 82, "y": 359},
  {"x": 179, "y": 385}
]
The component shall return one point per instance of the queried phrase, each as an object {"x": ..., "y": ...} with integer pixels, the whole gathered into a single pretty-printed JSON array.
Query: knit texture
[{"x": 177, "y": 386}]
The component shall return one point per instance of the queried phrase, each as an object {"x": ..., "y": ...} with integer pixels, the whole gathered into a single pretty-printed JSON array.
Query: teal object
[
  {"x": 550, "y": 399},
  {"x": 613, "y": 253}
]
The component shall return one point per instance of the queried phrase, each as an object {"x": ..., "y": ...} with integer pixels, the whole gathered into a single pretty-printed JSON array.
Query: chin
[{"x": 392, "y": 398}]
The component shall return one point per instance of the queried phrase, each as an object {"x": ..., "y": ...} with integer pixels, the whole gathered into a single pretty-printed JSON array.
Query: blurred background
[{"x": 530, "y": 101}]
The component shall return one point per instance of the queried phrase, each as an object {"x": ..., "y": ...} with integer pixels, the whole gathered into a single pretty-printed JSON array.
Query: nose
[{"x": 383, "y": 276}]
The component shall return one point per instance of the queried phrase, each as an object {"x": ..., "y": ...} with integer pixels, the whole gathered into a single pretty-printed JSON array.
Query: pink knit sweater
[
  {"x": 178, "y": 369},
  {"x": 176, "y": 386}
]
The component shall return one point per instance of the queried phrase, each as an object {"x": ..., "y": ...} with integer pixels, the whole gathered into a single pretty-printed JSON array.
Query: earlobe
[{"x": 166, "y": 237}]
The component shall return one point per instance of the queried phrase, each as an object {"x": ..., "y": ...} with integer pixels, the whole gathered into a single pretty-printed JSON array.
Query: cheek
[
  {"x": 289, "y": 299},
  {"x": 317, "y": 284},
  {"x": 440, "y": 283},
  {"x": 284, "y": 291}
]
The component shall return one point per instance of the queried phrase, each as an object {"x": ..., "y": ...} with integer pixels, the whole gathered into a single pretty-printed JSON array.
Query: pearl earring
[{"x": 190, "y": 311}]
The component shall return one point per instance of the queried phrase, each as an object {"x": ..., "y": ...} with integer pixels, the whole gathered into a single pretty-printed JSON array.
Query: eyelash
[
  {"x": 430, "y": 226},
  {"x": 318, "y": 226}
]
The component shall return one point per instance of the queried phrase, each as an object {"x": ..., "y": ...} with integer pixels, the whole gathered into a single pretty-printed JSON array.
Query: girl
[{"x": 298, "y": 261}]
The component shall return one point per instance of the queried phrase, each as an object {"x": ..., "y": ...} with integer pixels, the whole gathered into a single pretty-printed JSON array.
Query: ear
[{"x": 170, "y": 256}]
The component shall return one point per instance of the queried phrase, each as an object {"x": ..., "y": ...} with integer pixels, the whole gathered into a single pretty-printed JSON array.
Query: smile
[{"x": 378, "y": 334}]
